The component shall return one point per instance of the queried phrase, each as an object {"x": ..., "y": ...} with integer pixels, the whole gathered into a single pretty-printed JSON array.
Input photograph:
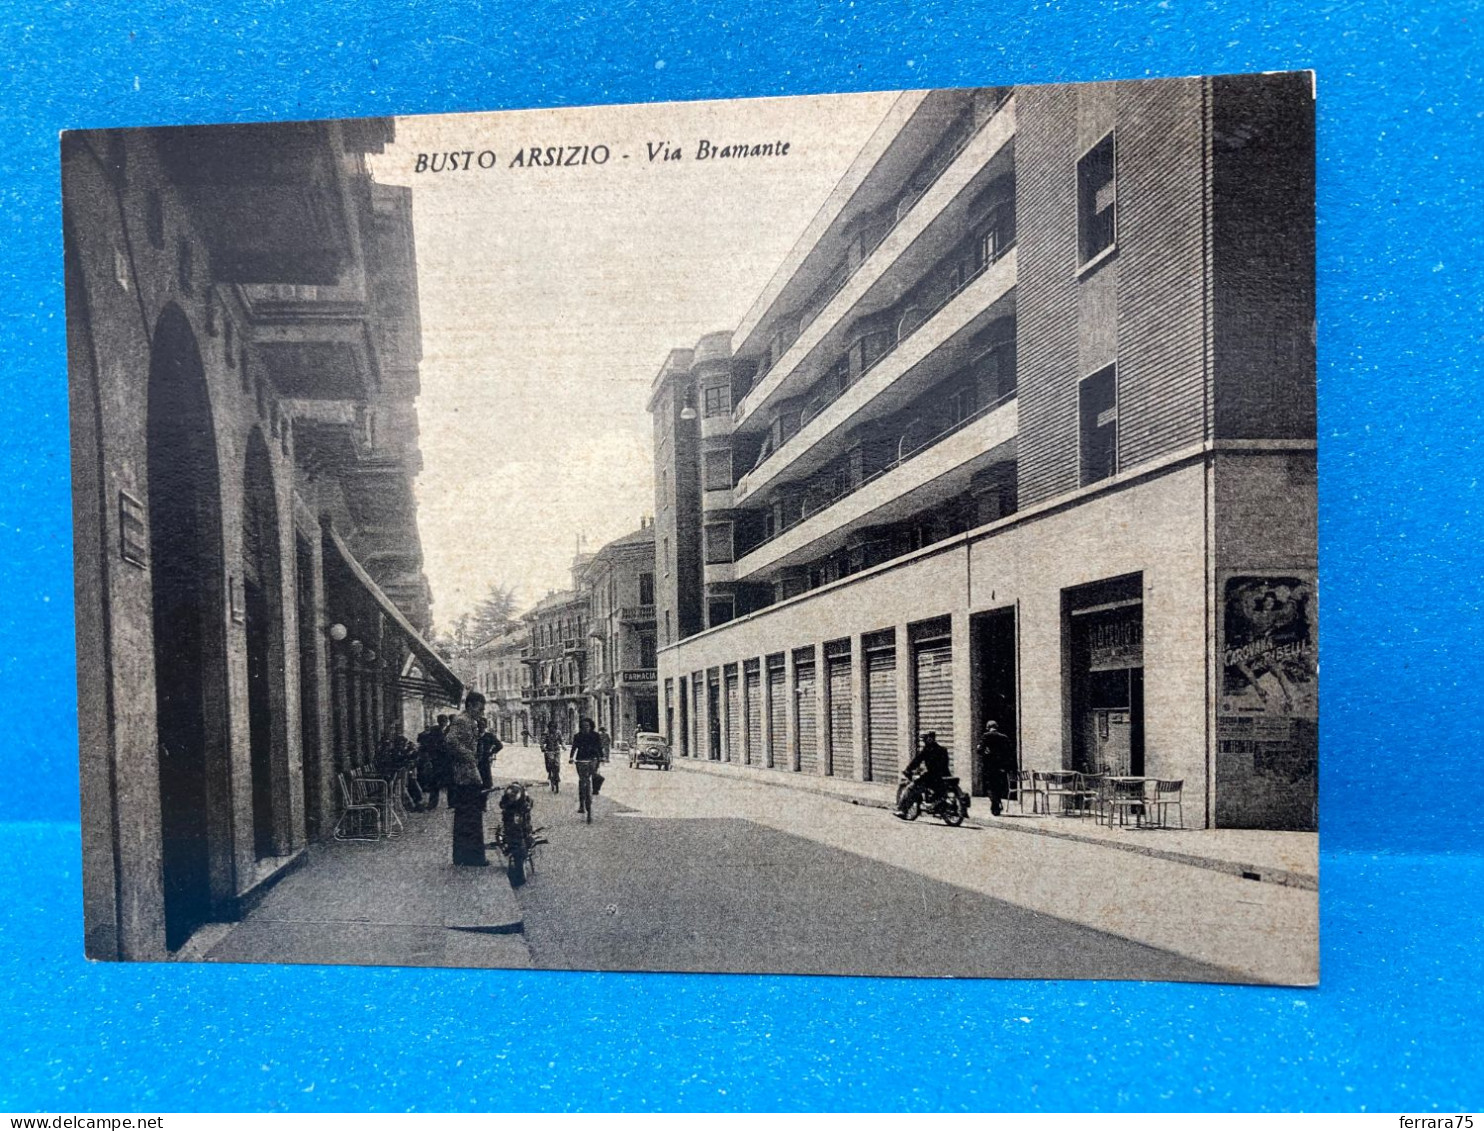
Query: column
[
  {"x": 906, "y": 708},
  {"x": 964, "y": 735}
]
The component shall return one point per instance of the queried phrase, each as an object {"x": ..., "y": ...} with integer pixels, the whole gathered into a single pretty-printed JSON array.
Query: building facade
[
  {"x": 498, "y": 669},
  {"x": 243, "y": 351},
  {"x": 556, "y": 654},
  {"x": 1023, "y": 429},
  {"x": 621, "y": 685}
]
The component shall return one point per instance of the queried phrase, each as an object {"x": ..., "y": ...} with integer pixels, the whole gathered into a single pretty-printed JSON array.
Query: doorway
[{"x": 995, "y": 686}]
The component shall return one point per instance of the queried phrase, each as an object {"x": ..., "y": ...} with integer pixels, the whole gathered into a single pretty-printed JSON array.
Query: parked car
[{"x": 649, "y": 750}]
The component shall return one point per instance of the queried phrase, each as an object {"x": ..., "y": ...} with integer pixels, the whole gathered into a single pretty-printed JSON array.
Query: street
[{"x": 669, "y": 876}]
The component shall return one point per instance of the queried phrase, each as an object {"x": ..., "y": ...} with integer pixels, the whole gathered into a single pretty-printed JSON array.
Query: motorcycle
[
  {"x": 945, "y": 801},
  {"x": 516, "y": 837}
]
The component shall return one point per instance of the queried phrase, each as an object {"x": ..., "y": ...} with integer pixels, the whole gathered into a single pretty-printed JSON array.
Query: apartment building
[
  {"x": 498, "y": 670},
  {"x": 1023, "y": 428},
  {"x": 619, "y": 581}
]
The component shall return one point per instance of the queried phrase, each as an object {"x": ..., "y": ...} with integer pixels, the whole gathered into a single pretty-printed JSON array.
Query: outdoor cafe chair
[
  {"x": 382, "y": 794},
  {"x": 1125, "y": 797},
  {"x": 1027, "y": 782},
  {"x": 1065, "y": 784},
  {"x": 1164, "y": 797},
  {"x": 356, "y": 815}
]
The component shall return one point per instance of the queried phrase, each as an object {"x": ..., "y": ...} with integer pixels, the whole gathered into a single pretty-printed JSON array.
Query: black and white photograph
[{"x": 862, "y": 534}]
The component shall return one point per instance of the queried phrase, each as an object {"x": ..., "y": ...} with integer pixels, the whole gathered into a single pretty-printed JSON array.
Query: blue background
[{"x": 1397, "y": 1022}]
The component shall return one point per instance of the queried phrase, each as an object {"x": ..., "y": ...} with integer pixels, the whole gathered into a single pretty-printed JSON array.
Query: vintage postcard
[{"x": 868, "y": 535}]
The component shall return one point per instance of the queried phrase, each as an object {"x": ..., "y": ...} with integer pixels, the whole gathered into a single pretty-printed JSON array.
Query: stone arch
[{"x": 189, "y": 630}]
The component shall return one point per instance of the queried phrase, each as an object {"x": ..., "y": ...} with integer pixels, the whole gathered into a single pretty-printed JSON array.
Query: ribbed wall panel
[
  {"x": 1046, "y": 291},
  {"x": 1162, "y": 303}
]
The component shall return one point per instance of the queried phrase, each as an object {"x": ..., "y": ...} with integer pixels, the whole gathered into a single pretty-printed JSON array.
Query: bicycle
[
  {"x": 585, "y": 771},
  {"x": 554, "y": 775}
]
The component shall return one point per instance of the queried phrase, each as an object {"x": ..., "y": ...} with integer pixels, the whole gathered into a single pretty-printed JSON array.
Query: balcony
[
  {"x": 915, "y": 357},
  {"x": 903, "y": 244},
  {"x": 924, "y": 473},
  {"x": 637, "y": 614}
]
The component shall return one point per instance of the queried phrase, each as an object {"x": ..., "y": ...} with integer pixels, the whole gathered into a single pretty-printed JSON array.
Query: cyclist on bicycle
[{"x": 587, "y": 752}]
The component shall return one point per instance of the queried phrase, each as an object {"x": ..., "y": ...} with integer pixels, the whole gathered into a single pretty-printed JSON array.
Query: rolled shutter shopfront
[
  {"x": 882, "y": 756},
  {"x": 734, "y": 717},
  {"x": 933, "y": 663},
  {"x": 842, "y": 717},
  {"x": 778, "y": 717},
  {"x": 808, "y": 743},
  {"x": 753, "y": 686}
]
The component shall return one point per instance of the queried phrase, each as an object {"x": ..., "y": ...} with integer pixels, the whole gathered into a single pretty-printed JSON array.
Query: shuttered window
[
  {"x": 808, "y": 718},
  {"x": 842, "y": 730},
  {"x": 934, "y": 668},
  {"x": 754, "y": 690},
  {"x": 778, "y": 718},
  {"x": 734, "y": 718}
]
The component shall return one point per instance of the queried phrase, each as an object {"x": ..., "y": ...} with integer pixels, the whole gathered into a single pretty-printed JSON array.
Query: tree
[{"x": 493, "y": 615}]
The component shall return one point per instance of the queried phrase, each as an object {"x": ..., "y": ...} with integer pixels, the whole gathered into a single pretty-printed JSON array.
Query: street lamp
[{"x": 337, "y": 632}]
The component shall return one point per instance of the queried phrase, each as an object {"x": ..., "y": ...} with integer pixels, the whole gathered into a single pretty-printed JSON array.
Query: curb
[{"x": 1253, "y": 872}]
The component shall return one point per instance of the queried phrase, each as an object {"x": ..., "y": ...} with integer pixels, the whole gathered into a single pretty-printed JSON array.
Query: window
[
  {"x": 716, "y": 400},
  {"x": 666, "y": 541},
  {"x": 646, "y": 589},
  {"x": 721, "y": 610},
  {"x": 646, "y": 651},
  {"x": 718, "y": 542},
  {"x": 1097, "y": 197},
  {"x": 1098, "y": 400},
  {"x": 667, "y": 626},
  {"x": 718, "y": 471}
]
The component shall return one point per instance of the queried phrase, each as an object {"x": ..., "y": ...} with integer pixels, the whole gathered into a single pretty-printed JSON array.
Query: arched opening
[
  {"x": 262, "y": 591},
  {"x": 185, "y": 540}
]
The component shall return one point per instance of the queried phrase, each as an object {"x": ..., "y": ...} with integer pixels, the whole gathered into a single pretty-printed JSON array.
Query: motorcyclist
[{"x": 925, "y": 773}]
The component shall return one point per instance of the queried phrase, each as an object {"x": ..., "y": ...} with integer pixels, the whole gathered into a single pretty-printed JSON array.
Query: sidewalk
[
  {"x": 1287, "y": 858},
  {"x": 387, "y": 902}
]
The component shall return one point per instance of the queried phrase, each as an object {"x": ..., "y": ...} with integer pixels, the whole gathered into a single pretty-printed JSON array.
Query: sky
[{"x": 549, "y": 298}]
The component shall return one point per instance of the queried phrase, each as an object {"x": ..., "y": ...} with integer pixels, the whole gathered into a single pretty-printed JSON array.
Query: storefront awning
[{"x": 435, "y": 672}]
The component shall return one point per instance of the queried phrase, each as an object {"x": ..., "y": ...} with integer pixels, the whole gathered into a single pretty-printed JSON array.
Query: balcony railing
[
  {"x": 636, "y": 613},
  {"x": 907, "y": 449},
  {"x": 817, "y": 405},
  {"x": 903, "y": 208}
]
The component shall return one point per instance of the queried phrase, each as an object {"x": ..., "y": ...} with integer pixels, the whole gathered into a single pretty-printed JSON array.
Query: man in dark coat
[
  {"x": 432, "y": 761},
  {"x": 930, "y": 767},
  {"x": 996, "y": 753},
  {"x": 489, "y": 746}
]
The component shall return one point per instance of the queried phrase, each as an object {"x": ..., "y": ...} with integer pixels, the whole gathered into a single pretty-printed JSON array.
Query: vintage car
[{"x": 649, "y": 750}]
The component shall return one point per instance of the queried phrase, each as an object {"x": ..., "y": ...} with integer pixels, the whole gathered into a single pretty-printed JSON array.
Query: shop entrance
[
  {"x": 186, "y": 576},
  {"x": 1104, "y": 634},
  {"x": 995, "y": 689}
]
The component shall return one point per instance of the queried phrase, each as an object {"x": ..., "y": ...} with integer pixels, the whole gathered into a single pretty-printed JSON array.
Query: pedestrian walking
[
  {"x": 996, "y": 752},
  {"x": 466, "y": 791},
  {"x": 607, "y": 742}
]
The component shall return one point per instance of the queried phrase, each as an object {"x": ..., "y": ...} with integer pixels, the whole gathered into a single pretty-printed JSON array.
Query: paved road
[{"x": 661, "y": 881}]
